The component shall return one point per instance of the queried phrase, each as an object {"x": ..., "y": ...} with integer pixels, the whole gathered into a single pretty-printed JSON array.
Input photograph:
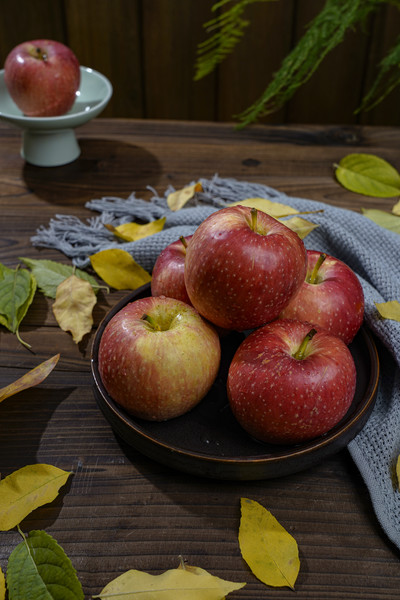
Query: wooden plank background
[{"x": 147, "y": 48}]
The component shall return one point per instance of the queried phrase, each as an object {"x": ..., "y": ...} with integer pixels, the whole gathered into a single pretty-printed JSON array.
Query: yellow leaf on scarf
[
  {"x": 2, "y": 586},
  {"x": 274, "y": 209},
  {"x": 27, "y": 489},
  {"x": 269, "y": 550},
  {"x": 73, "y": 306},
  {"x": 177, "y": 200},
  {"x": 117, "y": 268},
  {"x": 175, "y": 584},
  {"x": 389, "y": 310},
  {"x": 30, "y": 379},
  {"x": 301, "y": 226},
  {"x": 396, "y": 209},
  {"x": 131, "y": 232}
]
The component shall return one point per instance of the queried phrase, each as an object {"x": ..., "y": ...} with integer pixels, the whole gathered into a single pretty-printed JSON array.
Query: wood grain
[{"x": 121, "y": 510}]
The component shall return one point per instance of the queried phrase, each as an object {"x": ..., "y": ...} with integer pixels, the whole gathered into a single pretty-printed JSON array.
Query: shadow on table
[{"x": 105, "y": 167}]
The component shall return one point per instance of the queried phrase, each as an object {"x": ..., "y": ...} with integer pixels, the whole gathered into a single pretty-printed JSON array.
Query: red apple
[
  {"x": 42, "y": 77},
  {"x": 158, "y": 358},
  {"x": 288, "y": 383},
  {"x": 242, "y": 267},
  {"x": 168, "y": 272},
  {"x": 331, "y": 297}
]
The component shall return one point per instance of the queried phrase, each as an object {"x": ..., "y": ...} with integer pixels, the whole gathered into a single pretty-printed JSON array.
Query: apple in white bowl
[
  {"x": 168, "y": 276},
  {"x": 243, "y": 267},
  {"x": 289, "y": 383},
  {"x": 158, "y": 358},
  {"x": 42, "y": 77},
  {"x": 331, "y": 297}
]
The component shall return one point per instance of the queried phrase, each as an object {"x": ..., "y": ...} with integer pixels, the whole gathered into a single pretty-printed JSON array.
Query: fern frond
[
  {"x": 387, "y": 79},
  {"x": 229, "y": 28},
  {"x": 323, "y": 34}
]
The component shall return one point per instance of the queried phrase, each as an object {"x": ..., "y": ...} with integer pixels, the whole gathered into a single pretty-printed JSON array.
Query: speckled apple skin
[
  {"x": 158, "y": 375},
  {"x": 42, "y": 88},
  {"x": 279, "y": 399},
  {"x": 335, "y": 302},
  {"x": 168, "y": 276},
  {"x": 238, "y": 278}
]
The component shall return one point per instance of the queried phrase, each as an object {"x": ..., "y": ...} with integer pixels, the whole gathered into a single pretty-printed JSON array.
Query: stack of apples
[{"x": 292, "y": 377}]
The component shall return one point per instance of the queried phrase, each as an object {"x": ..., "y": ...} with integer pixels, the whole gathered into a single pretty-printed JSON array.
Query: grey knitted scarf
[{"x": 372, "y": 252}]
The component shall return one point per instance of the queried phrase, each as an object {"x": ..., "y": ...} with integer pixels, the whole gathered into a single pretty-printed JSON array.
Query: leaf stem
[
  {"x": 301, "y": 350},
  {"x": 314, "y": 273}
]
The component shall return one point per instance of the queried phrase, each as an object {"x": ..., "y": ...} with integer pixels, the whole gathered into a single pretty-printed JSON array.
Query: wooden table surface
[{"x": 121, "y": 510}]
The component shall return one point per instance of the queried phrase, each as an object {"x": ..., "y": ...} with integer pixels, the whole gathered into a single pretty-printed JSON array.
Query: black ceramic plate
[{"x": 209, "y": 442}]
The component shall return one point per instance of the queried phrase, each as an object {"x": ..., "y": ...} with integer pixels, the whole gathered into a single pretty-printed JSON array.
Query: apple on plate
[
  {"x": 288, "y": 382},
  {"x": 42, "y": 77},
  {"x": 242, "y": 267},
  {"x": 158, "y": 358},
  {"x": 331, "y": 297},
  {"x": 168, "y": 273}
]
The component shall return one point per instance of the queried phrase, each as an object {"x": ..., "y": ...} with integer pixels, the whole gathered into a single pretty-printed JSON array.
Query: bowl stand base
[{"x": 49, "y": 148}]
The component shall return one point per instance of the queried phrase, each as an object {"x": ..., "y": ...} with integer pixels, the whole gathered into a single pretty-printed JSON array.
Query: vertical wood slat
[{"x": 148, "y": 49}]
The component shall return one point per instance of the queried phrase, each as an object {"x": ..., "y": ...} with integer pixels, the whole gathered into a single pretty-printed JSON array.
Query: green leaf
[
  {"x": 17, "y": 289},
  {"x": 382, "y": 218},
  {"x": 49, "y": 274},
  {"x": 39, "y": 569},
  {"x": 369, "y": 175}
]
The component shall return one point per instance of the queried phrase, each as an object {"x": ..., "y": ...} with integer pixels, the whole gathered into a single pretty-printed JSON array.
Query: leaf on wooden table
[
  {"x": 175, "y": 584},
  {"x": 119, "y": 270},
  {"x": 389, "y": 310},
  {"x": 269, "y": 550},
  {"x": 177, "y": 200},
  {"x": 26, "y": 489},
  {"x": 17, "y": 289},
  {"x": 49, "y": 274},
  {"x": 30, "y": 379},
  {"x": 274, "y": 209},
  {"x": 2, "y": 586},
  {"x": 301, "y": 226},
  {"x": 396, "y": 208},
  {"x": 383, "y": 218},
  {"x": 73, "y": 307},
  {"x": 131, "y": 232},
  {"x": 369, "y": 175},
  {"x": 39, "y": 568}
]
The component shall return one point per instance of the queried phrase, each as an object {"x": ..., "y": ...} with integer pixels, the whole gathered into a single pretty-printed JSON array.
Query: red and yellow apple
[
  {"x": 242, "y": 267},
  {"x": 158, "y": 358},
  {"x": 42, "y": 77},
  {"x": 289, "y": 383},
  {"x": 331, "y": 297},
  {"x": 168, "y": 277}
]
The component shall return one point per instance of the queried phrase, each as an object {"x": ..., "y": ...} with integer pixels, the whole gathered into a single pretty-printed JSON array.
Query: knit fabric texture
[{"x": 371, "y": 251}]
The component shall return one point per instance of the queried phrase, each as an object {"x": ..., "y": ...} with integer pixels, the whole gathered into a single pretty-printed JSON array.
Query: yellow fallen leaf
[
  {"x": 275, "y": 209},
  {"x": 389, "y": 310},
  {"x": 396, "y": 208},
  {"x": 398, "y": 471},
  {"x": 30, "y": 379},
  {"x": 175, "y": 584},
  {"x": 73, "y": 306},
  {"x": 269, "y": 550},
  {"x": 301, "y": 226},
  {"x": 131, "y": 232},
  {"x": 2, "y": 586},
  {"x": 177, "y": 200},
  {"x": 117, "y": 268},
  {"x": 26, "y": 489}
]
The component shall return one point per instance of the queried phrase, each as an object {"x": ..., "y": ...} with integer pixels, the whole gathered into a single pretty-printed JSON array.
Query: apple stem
[
  {"x": 253, "y": 219},
  {"x": 150, "y": 321},
  {"x": 300, "y": 352},
  {"x": 184, "y": 242},
  {"x": 314, "y": 274}
]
